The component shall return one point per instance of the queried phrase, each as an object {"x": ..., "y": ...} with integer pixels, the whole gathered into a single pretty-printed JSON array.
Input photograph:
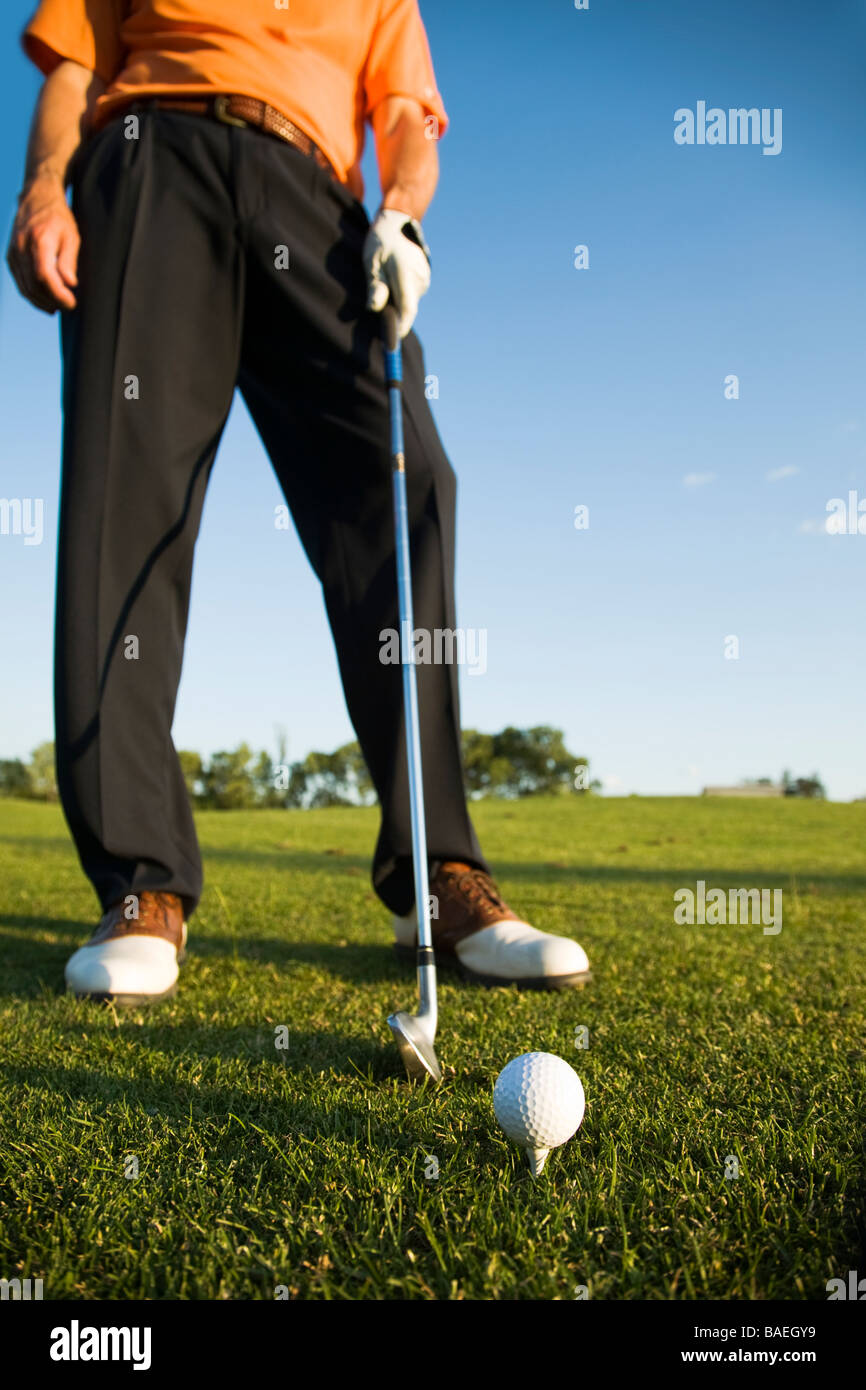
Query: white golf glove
[{"x": 397, "y": 262}]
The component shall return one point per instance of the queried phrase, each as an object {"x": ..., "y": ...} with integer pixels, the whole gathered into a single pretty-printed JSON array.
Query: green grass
[{"x": 305, "y": 1168}]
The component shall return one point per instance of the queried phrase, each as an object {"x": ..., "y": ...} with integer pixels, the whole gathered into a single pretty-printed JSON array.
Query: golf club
[{"x": 413, "y": 1033}]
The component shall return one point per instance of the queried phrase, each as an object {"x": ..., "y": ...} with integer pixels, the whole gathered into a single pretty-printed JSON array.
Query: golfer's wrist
[
  {"x": 47, "y": 178},
  {"x": 400, "y": 198}
]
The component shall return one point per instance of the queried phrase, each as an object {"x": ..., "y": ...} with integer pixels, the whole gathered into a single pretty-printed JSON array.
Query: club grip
[{"x": 389, "y": 328}]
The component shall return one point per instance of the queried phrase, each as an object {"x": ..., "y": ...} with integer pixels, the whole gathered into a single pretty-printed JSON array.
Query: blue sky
[{"x": 560, "y": 387}]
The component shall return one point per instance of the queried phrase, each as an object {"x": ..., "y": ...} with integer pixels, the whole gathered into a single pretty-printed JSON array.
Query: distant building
[{"x": 747, "y": 789}]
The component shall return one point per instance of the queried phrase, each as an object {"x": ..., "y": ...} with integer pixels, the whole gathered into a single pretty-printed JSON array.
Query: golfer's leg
[
  {"x": 150, "y": 360},
  {"x": 313, "y": 377}
]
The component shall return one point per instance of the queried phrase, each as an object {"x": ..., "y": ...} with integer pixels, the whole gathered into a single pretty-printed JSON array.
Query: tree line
[{"x": 513, "y": 763}]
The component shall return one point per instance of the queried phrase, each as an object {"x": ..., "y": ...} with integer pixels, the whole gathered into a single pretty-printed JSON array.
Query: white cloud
[
  {"x": 698, "y": 479},
  {"x": 787, "y": 471}
]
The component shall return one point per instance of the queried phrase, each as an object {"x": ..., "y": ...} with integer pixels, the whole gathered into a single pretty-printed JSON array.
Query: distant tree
[
  {"x": 296, "y": 793},
  {"x": 264, "y": 774},
  {"x": 14, "y": 778},
  {"x": 485, "y": 771},
  {"x": 193, "y": 772},
  {"x": 229, "y": 781},
  {"x": 331, "y": 779},
  {"x": 324, "y": 779},
  {"x": 43, "y": 774},
  {"x": 811, "y": 787},
  {"x": 519, "y": 762},
  {"x": 540, "y": 760},
  {"x": 359, "y": 779},
  {"x": 272, "y": 775}
]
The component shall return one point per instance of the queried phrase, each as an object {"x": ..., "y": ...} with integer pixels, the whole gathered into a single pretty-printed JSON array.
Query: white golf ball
[{"x": 538, "y": 1100}]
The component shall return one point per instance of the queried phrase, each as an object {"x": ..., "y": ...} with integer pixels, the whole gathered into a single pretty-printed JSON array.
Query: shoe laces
[
  {"x": 478, "y": 887},
  {"x": 152, "y": 907}
]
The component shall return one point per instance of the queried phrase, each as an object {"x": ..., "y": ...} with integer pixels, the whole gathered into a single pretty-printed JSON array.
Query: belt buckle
[{"x": 221, "y": 111}]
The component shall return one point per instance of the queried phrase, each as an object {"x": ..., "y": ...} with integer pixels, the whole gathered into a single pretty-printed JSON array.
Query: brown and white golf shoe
[
  {"x": 476, "y": 932},
  {"x": 132, "y": 959}
]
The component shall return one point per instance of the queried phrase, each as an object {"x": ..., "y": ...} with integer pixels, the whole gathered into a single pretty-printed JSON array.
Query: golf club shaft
[{"x": 426, "y": 960}]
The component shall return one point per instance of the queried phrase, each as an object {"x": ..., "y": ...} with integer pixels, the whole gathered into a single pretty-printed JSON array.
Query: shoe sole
[
  {"x": 126, "y": 1001},
  {"x": 449, "y": 962}
]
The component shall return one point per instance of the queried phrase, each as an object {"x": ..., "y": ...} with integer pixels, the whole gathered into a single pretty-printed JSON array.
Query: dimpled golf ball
[{"x": 538, "y": 1100}]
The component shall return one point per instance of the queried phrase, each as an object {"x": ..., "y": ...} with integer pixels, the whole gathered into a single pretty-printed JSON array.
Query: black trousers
[{"x": 182, "y": 296}]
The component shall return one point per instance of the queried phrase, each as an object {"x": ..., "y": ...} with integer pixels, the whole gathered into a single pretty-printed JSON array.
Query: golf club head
[{"x": 416, "y": 1049}]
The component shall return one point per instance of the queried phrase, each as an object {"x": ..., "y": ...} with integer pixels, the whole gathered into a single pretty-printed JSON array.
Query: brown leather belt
[{"x": 244, "y": 111}]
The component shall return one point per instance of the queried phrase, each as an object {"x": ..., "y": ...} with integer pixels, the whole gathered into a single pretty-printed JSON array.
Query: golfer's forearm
[
  {"x": 62, "y": 113},
  {"x": 408, "y": 160}
]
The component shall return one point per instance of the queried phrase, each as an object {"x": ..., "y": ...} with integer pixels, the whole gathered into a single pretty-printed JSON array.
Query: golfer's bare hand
[{"x": 43, "y": 248}]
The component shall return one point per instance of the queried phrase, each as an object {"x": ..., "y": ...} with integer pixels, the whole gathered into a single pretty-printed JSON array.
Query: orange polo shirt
[{"x": 323, "y": 63}]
